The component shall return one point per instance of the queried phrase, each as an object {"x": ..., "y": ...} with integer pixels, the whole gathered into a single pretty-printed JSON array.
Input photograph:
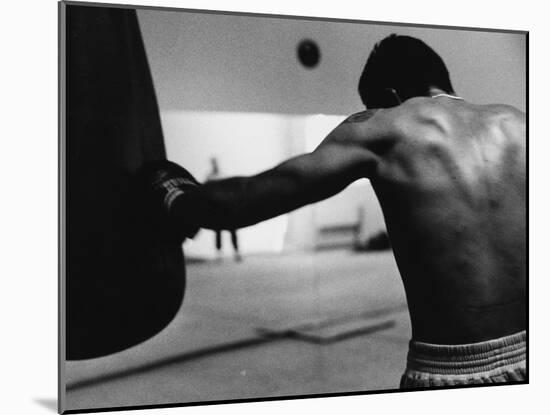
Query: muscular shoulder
[
  {"x": 506, "y": 127},
  {"x": 458, "y": 132},
  {"x": 423, "y": 117},
  {"x": 507, "y": 118},
  {"x": 504, "y": 111},
  {"x": 381, "y": 131},
  {"x": 370, "y": 130},
  {"x": 430, "y": 118}
]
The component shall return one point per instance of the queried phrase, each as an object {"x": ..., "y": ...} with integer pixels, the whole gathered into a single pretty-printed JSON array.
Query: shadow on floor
[
  {"x": 266, "y": 336},
  {"x": 50, "y": 404},
  {"x": 181, "y": 358}
]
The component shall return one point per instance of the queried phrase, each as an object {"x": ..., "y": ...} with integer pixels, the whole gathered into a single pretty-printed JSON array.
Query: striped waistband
[{"x": 467, "y": 358}]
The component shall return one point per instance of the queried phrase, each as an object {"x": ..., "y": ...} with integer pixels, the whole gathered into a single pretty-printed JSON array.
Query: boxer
[{"x": 450, "y": 177}]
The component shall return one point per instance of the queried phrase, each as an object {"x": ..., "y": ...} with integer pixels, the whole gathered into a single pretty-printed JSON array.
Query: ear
[
  {"x": 389, "y": 98},
  {"x": 395, "y": 95}
]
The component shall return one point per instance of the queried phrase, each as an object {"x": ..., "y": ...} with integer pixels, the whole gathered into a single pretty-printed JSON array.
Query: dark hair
[{"x": 405, "y": 65}]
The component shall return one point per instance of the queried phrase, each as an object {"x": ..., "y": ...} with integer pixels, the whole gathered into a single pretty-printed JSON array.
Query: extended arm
[{"x": 242, "y": 201}]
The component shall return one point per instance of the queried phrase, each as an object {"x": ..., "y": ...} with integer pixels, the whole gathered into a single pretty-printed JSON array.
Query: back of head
[{"x": 399, "y": 68}]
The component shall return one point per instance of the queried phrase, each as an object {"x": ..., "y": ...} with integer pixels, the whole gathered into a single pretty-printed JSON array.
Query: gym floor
[{"x": 269, "y": 326}]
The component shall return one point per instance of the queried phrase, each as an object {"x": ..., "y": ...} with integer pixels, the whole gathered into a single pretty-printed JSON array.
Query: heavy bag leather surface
[{"x": 123, "y": 285}]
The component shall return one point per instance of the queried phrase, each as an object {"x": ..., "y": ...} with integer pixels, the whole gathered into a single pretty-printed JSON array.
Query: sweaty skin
[{"x": 451, "y": 180}]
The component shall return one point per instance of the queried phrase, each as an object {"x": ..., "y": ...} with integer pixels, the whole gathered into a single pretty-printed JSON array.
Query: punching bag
[{"x": 123, "y": 284}]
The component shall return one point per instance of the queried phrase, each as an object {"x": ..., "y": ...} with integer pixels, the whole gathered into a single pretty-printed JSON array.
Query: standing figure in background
[{"x": 212, "y": 176}]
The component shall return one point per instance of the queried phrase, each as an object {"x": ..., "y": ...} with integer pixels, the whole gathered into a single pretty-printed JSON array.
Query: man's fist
[{"x": 160, "y": 183}]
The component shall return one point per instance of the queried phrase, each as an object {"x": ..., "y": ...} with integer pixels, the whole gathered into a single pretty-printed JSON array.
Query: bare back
[{"x": 452, "y": 187}]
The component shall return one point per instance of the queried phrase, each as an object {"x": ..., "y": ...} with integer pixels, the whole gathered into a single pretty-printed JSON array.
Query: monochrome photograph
[{"x": 268, "y": 207}]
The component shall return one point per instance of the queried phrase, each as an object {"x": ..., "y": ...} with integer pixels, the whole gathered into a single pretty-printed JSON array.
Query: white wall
[{"x": 243, "y": 144}]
